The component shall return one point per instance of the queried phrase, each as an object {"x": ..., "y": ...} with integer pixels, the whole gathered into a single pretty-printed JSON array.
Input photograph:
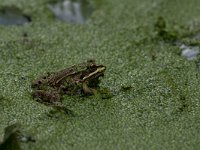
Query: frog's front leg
[
  {"x": 46, "y": 96},
  {"x": 87, "y": 90}
]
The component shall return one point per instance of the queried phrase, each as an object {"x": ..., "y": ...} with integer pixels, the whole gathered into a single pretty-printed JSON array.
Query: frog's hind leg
[
  {"x": 52, "y": 99},
  {"x": 46, "y": 96}
]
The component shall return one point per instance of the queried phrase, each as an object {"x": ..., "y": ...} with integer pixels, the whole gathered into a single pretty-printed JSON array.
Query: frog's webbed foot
[{"x": 87, "y": 90}]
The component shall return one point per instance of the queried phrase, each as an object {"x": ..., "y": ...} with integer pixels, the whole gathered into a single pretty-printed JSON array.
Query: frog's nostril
[{"x": 39, "y": 82}]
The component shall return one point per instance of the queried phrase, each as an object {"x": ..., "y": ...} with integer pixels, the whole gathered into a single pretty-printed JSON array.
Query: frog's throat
[{"x": 99, "y": 70}]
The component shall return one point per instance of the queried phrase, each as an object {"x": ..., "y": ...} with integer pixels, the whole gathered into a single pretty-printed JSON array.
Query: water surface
[
  {"x": 71, "y": 11},
  {"x": 13, "y": 16}
]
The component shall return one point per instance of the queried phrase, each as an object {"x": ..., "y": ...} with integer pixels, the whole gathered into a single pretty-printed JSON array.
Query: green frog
[{"x": 77, "y": 79}]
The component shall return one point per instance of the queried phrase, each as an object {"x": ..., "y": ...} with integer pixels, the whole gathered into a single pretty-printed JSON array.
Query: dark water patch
[
  {"x": 13, "y": 137},
  {"x": 72, "y": 11},
  {"x": 13, "y": 16}
]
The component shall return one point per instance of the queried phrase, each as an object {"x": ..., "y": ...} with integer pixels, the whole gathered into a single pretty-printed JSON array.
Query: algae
[{"x": 161, "y": 111}]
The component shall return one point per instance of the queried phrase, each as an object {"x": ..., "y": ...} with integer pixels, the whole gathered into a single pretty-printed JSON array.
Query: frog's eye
[
  {"x": 39, "y": 82},
  {"x": 82, "y": 76},
  {"x": 92, "y": 66}
]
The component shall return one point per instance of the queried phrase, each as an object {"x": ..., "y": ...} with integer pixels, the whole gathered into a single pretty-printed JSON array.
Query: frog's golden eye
[
  {"x": 92, "y": 66},
  {"x": 82, "y": 76}
]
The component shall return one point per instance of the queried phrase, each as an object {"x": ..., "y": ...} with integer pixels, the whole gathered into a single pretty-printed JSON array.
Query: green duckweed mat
[{"x": 156, "y": 93}]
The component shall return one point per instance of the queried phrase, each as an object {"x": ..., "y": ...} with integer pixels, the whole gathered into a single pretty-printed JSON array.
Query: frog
[{"x": 81, "y": 79}]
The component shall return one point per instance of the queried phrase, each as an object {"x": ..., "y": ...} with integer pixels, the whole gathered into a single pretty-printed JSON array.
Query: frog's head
[{"x": 94, "y": 71}]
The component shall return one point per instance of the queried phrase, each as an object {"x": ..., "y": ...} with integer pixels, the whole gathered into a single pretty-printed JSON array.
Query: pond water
[
  {"x": 189, "y": 52},
  {"x": 13, "y": 16},
  {"x": 72, "y": 11}
]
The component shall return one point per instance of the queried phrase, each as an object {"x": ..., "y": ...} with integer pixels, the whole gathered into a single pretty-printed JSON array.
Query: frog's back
[{"x": 65, "y": 73}]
